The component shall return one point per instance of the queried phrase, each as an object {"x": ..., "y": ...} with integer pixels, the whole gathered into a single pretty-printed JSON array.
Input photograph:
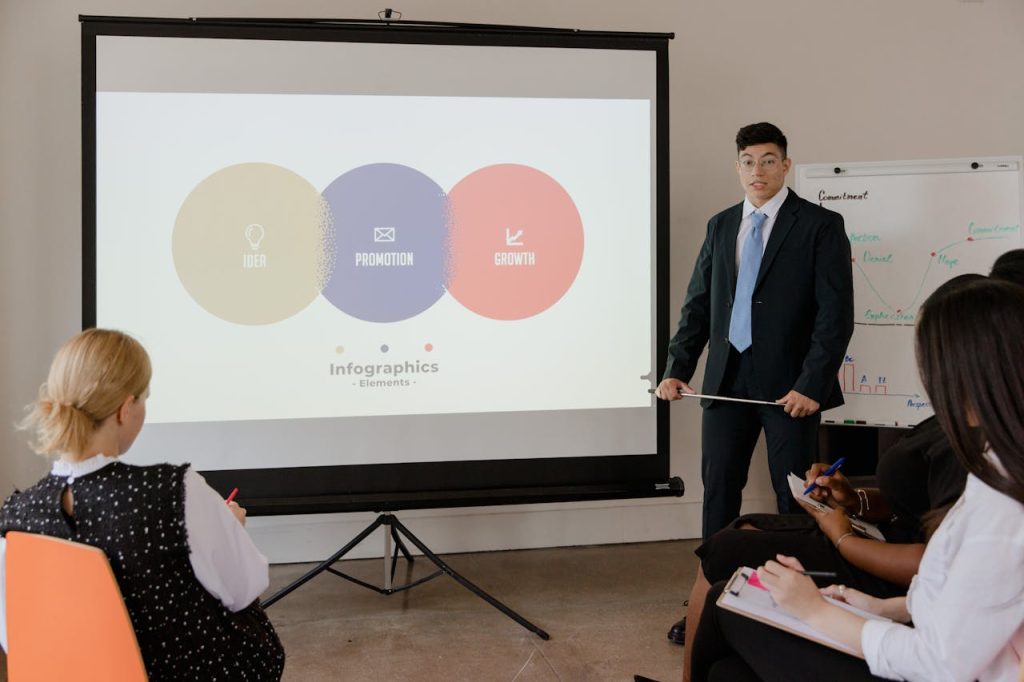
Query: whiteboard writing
[{"x": 912, "y": 226}]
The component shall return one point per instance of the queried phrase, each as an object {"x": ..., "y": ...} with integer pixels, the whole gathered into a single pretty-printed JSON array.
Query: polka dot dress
[{"x": 136, "y": 515}]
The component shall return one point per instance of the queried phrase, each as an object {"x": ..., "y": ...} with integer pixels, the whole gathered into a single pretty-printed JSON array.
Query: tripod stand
[{"x": 394, "y": 531}]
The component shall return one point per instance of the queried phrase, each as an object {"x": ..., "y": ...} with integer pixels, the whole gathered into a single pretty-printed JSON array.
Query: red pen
[{"x": 231, "y": 496}]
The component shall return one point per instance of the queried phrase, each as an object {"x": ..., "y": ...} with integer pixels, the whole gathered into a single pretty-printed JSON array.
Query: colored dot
[
  {"x": 384, "y": 348},
  {"x": 429, "y": 347},
  {"x": 339, "y": 350},
  {"x": 970, "y": 239},
  {"x": 933, "y": 254}
]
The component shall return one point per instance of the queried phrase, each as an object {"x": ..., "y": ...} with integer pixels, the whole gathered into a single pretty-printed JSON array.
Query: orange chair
[{"x": 66, "y": 619}]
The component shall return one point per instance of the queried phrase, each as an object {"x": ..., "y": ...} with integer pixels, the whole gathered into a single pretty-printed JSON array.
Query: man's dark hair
[
  {"x": 1010, "y": 267},
  {"x": 760, "y": 133}
]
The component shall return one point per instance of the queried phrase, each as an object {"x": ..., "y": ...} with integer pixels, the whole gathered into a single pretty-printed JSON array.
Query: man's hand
[
  {"x": 798, "y": 405},
  {"x": 669, "y": 389}
]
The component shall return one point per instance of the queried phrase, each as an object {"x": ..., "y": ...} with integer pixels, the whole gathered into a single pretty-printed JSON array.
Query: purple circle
[{"x": 390, "y": 228}]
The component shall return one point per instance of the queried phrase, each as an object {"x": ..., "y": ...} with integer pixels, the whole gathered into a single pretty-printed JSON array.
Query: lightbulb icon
[{"x": 254, "y": 235}]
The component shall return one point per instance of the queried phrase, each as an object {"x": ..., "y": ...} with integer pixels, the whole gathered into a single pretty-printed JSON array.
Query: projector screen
[{"x": 372, "y": 260}]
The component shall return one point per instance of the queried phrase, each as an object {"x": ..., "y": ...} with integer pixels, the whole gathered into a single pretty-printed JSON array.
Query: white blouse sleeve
[
  {"x": 980, "y": 607},
  {"x": 223, "y": 556}
]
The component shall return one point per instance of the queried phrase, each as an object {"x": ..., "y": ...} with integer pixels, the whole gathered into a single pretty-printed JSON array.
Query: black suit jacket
[{"x": 802, "y": 312}]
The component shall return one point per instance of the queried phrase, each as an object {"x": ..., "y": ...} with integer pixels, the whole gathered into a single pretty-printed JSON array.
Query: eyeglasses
[{"x": 768, "y": 163}]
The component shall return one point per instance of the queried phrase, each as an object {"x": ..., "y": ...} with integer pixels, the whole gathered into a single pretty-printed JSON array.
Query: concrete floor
[{"x": 607, "y": 609}]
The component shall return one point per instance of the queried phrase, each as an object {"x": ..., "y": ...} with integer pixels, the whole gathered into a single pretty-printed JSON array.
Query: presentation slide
[{"x": 452, "y": 256}]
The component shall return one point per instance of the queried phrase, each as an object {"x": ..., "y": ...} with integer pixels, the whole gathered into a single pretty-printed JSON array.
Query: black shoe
[{"x": 677, "y": 633}]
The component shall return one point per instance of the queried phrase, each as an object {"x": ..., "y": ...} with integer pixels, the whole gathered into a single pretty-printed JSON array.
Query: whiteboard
[{"x": 912, "y": 225}]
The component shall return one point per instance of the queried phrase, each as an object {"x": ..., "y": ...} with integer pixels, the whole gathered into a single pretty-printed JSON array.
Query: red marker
[{"x": 231, "y": 496}]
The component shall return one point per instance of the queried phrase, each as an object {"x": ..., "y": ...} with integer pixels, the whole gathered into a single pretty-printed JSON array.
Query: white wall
[{"x": 869, "y": 80}]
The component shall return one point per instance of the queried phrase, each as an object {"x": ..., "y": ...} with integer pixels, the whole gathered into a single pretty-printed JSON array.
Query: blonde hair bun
[{"x": 91, "y": 375}]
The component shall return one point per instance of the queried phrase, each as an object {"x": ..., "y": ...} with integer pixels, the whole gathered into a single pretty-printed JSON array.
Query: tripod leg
[
  {"x": 394, "y": 556},
  {"x": 395, "y": 523},
  {"x": 388, "y": 574},
  {"x": 401, "y": 545},
  {"x": 325, "y": 564}
]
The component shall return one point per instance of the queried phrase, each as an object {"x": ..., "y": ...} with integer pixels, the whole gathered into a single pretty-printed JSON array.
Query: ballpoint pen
[{"x": 828, "y": 472}]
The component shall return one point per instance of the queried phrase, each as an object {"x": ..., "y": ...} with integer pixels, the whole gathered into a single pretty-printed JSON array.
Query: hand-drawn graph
[
  {"x": 941, "y": 264},
  {"x": 911, "y": 226}
]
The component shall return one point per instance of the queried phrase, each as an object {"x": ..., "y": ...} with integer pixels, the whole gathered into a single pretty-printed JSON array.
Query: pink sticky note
[{"x": 754, "y": 581}]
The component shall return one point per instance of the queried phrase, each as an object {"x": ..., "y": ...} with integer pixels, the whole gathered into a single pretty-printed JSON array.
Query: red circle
[{"x": 516, "y": 242}]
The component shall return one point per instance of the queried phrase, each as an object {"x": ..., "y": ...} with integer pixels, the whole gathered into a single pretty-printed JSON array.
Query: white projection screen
[{"x": 384, "y": 266}]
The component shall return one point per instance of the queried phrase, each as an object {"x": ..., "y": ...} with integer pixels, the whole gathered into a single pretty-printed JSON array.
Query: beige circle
[{"x": 250, "y": 243}]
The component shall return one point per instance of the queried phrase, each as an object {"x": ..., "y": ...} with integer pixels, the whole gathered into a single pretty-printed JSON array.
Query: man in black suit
[{"x": 772, "y": 297}]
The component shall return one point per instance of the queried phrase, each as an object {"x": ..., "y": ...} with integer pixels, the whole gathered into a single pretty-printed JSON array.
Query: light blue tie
[{"x": 750, "y": 263}]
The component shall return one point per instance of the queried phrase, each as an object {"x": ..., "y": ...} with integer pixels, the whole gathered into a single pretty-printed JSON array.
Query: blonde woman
[{"x": 189, "y": 573}]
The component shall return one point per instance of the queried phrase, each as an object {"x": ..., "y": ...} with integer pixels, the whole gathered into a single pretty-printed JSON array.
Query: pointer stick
[{"x": 704, "y": 396}]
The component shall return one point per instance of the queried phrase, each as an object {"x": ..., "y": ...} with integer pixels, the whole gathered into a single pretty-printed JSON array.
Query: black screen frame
[{"x": 390, "y": 487}]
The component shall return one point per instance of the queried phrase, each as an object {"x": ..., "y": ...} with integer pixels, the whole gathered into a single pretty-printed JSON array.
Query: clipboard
[
  {"x": 868, "y": 530},
  {"x": 739, "y": 596}
]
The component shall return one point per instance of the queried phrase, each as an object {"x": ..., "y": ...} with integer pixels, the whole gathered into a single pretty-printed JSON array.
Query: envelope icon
[{"x": 383, "y": 234}]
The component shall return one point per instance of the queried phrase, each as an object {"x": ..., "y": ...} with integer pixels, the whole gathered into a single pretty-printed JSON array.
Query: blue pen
[{"x": 828, "y": 472}]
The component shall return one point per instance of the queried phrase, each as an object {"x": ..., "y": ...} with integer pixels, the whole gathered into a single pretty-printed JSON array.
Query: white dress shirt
[
  {"x": 223, "y": 556},
  {"x": 771, "y": 212},
  {"x": 967, "y": 600}
]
